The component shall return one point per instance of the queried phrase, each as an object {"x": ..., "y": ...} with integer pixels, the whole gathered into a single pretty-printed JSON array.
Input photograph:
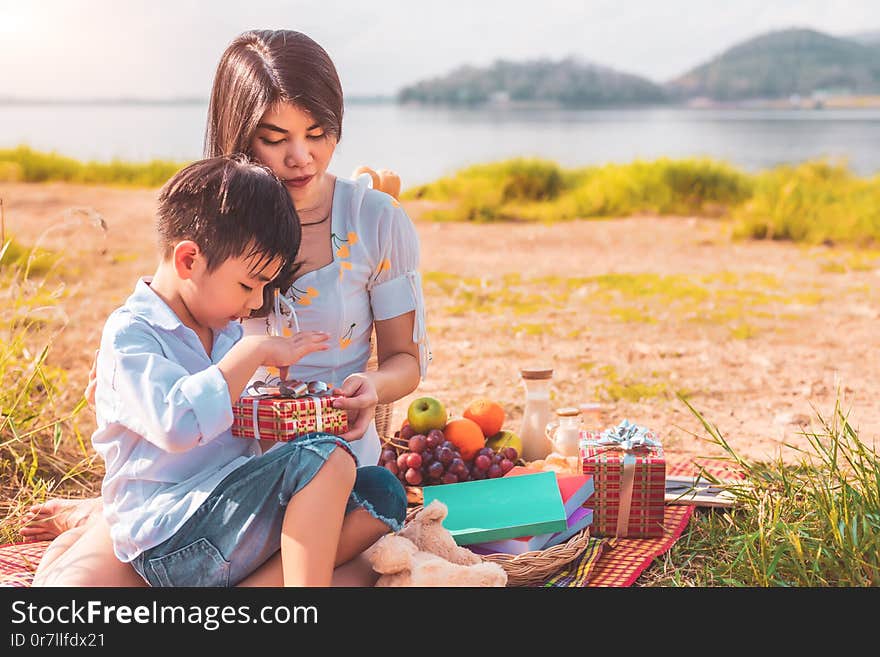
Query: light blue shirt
[{"x": 164, "y": 415}]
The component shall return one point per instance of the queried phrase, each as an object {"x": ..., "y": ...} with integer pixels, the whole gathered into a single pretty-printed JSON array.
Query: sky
[{"x": 169, "y": 48}]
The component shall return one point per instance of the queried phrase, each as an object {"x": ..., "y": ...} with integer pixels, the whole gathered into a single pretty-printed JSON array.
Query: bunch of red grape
[{"x": 431, "y": 459}]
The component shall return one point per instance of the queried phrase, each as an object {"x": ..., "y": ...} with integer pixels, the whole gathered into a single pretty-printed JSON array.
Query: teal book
[{"x": 506, "y": 507}]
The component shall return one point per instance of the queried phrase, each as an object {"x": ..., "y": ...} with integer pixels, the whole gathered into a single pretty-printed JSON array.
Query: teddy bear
[
  {"x": 385, "y": 180},
  {"x": 424, "y": 553}
]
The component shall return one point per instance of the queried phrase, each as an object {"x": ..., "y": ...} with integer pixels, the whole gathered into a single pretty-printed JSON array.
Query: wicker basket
[
  {"x": 533, "y": 567},
  {"x": 384, "y": 412}
]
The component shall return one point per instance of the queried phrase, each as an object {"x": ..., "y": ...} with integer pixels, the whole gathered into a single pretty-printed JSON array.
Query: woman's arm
[
  {"x": 397, "y": 376},
  {"x": 398, "y": 372}
]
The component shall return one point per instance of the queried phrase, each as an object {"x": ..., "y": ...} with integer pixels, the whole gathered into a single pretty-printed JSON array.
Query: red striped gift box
[
  {"x": 284, "y": 419},
  {"x": 646, "y": 508}
]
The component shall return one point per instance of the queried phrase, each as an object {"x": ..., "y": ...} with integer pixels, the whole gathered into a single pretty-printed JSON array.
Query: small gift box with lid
[
  {"x": 286, "y": 411},
  {"x": 629, "y": 475}
]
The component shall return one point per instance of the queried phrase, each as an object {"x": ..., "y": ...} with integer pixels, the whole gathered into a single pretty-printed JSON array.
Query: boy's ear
[{"x": 187, "y": 259}]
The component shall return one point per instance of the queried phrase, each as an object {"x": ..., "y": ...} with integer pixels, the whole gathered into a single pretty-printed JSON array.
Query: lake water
[{"x": 425, "y": 143}]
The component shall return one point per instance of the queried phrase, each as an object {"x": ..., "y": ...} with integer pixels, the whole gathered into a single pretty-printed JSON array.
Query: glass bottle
[
  {"x": 536, "y": 414},
  {"x": 564, "y": 432},
  {"x": 591, "y": 417}
]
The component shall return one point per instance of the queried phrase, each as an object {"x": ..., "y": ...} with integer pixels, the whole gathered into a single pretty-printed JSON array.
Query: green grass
[
  {"x": 540, "y": 190},
  {"x": 616, "y": 388},
  {"x": 726, "y": 298},
  {"x": 816, "y": 202},
  {"x": 41, "y": 448},
  {"x": 813, "y": 523},
  {"x": 23, "y": 164}
]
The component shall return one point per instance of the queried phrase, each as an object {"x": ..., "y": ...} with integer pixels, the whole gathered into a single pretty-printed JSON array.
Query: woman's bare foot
[{"x": 45, "y": 521}]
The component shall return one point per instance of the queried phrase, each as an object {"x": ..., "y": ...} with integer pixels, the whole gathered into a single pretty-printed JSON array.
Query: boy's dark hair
[{"x": 231, "y": 207}]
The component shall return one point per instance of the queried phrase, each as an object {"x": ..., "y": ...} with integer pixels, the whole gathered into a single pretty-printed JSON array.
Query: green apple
[
  {"x": 426, "y": 413},
  {"x": 504, "y": 439}
]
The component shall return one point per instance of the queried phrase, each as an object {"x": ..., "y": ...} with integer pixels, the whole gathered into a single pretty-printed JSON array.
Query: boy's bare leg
[
  {"x": 312, "y": 524},
  {"x": 87, "y": 560},
  {"x": 45, "y": 521},
  {"x": 359, "y": 531}
]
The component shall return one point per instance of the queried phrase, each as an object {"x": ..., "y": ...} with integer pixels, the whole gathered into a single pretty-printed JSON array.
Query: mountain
[
  {"x": 779, "y": 64},
  {"x": 866, "y": 38},
  {"x": 569, "y": 82}
]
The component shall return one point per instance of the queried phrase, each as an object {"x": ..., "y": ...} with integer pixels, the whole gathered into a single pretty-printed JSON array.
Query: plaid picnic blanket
[
  {"x": 604, "y": 562},
  {"x": 18, "y": 561}
]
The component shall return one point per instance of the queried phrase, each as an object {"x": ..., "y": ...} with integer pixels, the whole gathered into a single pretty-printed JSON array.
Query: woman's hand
[
  {"x": 89, "y": 392},
  {"x": 360, "y": 399}
]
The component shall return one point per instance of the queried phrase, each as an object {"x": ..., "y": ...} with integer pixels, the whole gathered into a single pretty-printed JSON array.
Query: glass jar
[
  {"x": 564, "y": 432},
  {"x": 536, "y": 414},
  {"x": 591, "y": 417}
]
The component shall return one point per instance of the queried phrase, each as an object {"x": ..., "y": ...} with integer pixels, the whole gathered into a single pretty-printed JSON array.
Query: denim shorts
[{"x": 238, "y": 527}]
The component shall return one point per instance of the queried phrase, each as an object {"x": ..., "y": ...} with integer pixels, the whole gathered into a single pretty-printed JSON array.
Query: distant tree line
[
  {"x": 775, "y": 65},
  {"x": 567, "y": 82}
]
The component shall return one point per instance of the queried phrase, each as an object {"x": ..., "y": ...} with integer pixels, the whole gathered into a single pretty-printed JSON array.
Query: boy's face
[{"x": 228, "y": 293}]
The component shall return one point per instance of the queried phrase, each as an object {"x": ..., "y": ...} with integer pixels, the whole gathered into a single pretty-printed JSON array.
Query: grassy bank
[
  {"x": 540, "y": 190},
  {"x": 23, "y": 164},
  {"x": 814, "y": 202}
]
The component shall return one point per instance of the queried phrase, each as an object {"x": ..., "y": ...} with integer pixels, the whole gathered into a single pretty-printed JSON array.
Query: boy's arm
[
  {"x": 249, "y": 353},
  {"x": 159, "y": 399}
]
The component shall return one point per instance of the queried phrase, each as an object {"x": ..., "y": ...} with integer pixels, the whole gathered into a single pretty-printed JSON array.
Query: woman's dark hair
[
  {"x": 231, "y": 207},
  {"x": 261, "y": 69}
]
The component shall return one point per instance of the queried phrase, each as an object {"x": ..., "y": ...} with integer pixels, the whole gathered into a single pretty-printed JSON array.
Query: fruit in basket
[
  {"x": 489, "y": 464},
  {"x": 428, "y": 467},
  {"x": 417, "y": 443},
  {"x": 407, "y": 432},
  {"x": 466, "y": 435},
  {"x": 435, "y": 438},
  {"x": 488, "y": 414},
  {"x": 426, "y": 413},
  {"x": 504, "y": 439}
]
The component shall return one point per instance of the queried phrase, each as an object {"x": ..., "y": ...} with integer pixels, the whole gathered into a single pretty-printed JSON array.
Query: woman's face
[{"x": 291, "y": 143}]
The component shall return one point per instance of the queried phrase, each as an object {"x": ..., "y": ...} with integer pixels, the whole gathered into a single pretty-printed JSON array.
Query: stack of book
[{"x": 527, "y": 509}]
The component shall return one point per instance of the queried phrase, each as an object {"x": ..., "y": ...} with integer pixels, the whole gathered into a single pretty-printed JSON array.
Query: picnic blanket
[{"x": 604, "y": 562}]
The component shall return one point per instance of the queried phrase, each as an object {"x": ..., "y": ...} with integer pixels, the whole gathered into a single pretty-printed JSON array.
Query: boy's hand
[
  {"x": 281, "y": 352},
  {"x": 240, "y": 363}
]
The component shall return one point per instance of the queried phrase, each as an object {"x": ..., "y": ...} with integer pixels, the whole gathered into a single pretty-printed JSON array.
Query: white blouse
[{"x": 373, "y": 276}]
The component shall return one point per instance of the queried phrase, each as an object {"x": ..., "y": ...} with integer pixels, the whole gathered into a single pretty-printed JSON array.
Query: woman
[{"x": 277, "y": 97}]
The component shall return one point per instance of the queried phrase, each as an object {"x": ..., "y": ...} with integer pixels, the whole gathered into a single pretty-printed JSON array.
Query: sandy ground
[{"x": 760, "y": 336}]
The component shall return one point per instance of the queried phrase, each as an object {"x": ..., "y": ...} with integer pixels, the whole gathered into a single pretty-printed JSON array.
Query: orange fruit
[
  {"x": 486, "y": 413},
  {"x": 466, "y": 435}
]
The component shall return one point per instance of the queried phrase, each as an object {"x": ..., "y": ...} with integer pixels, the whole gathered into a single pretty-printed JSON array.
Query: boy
[{"x": 187, "y": 503}]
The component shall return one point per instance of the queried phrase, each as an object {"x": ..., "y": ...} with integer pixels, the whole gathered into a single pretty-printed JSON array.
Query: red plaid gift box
[
  {"x": 629, "y": 476},
  {"x": 283, "y": 418}
]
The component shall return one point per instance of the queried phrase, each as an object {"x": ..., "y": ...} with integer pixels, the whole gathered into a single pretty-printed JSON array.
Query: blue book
[{"x": 497, "y": 509}]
